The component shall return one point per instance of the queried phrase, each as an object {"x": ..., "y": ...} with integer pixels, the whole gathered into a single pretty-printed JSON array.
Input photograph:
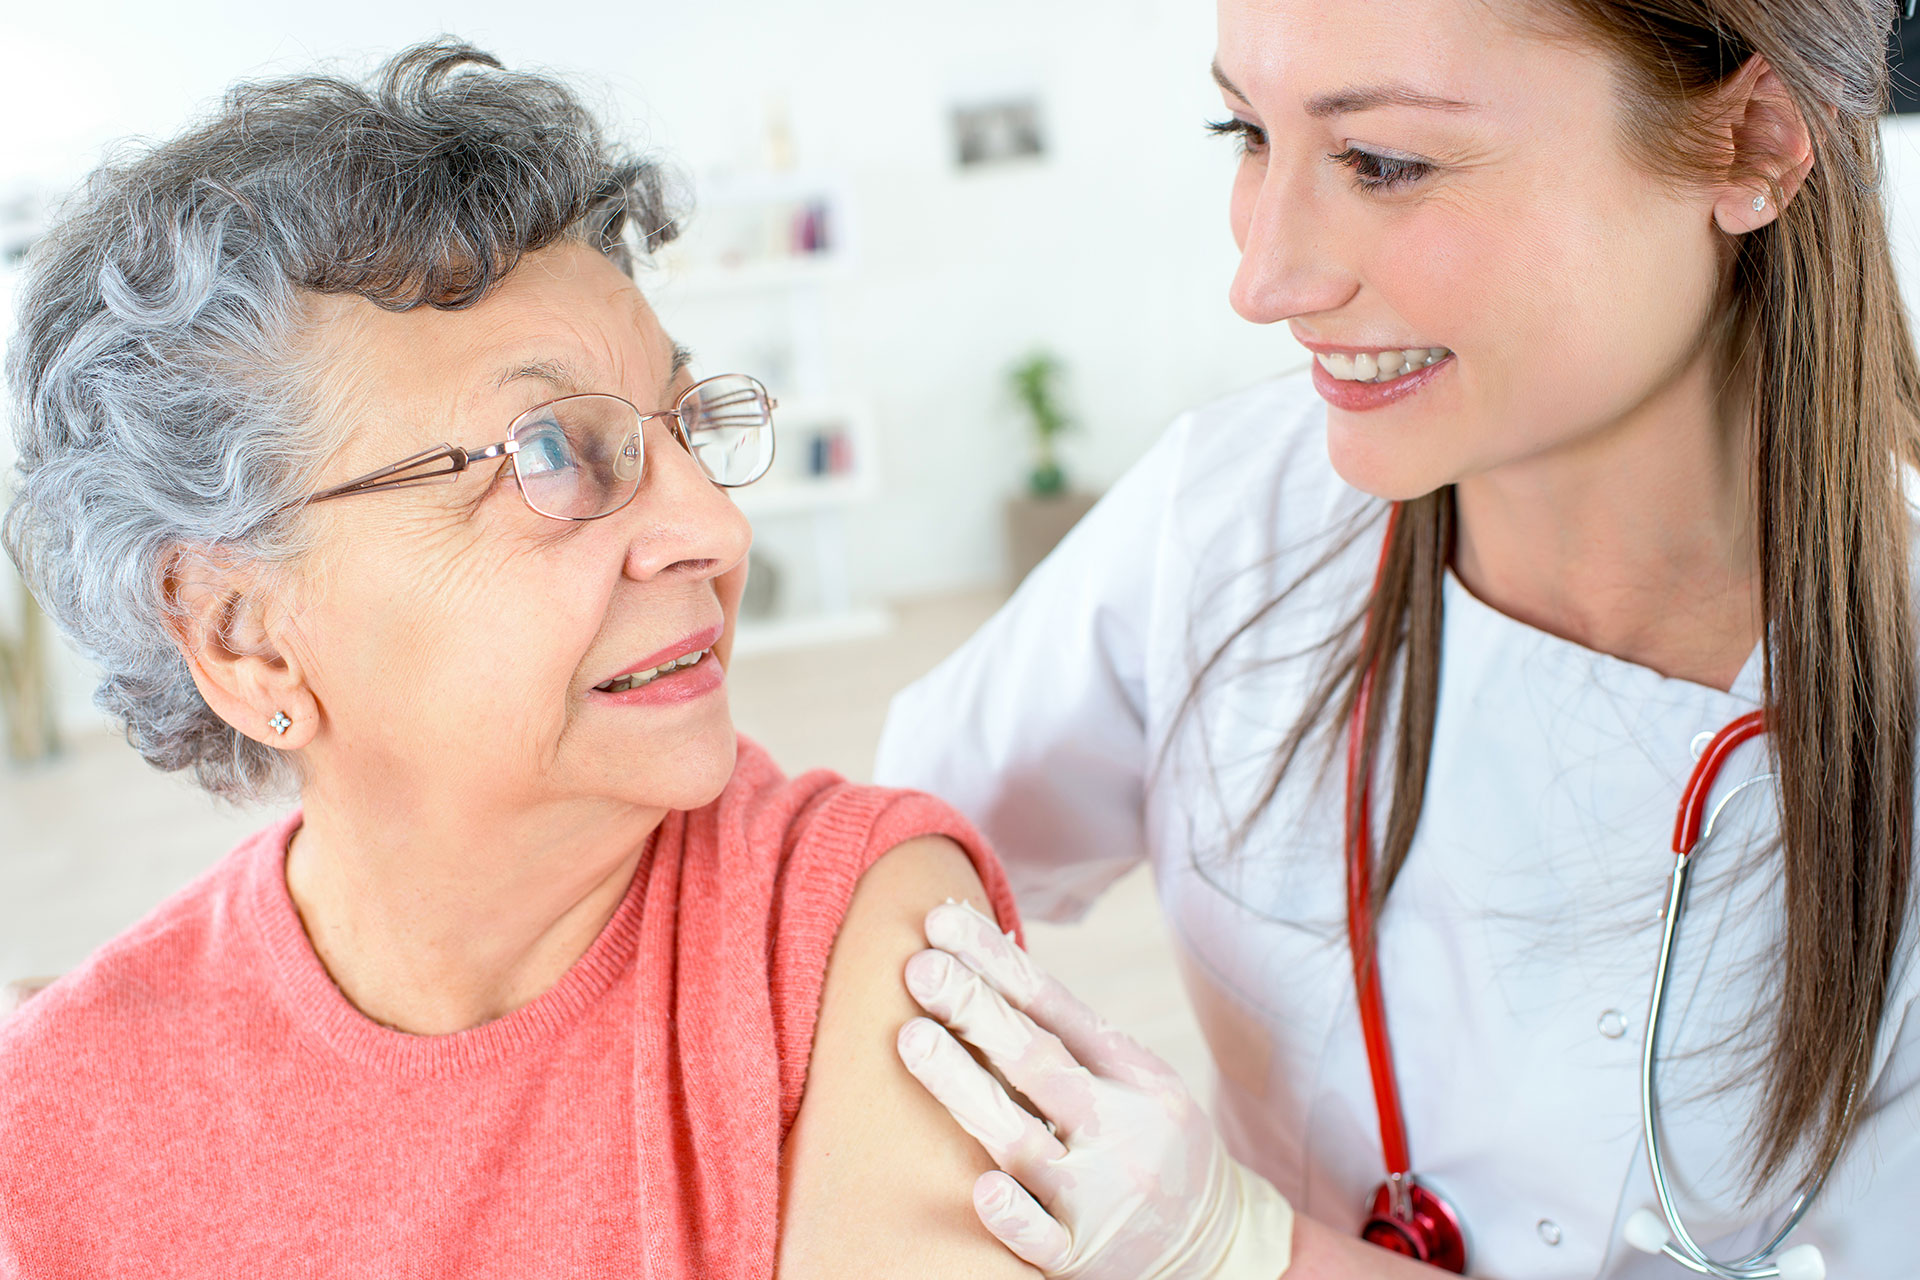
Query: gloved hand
[{"x": 1128, "y": 1179}]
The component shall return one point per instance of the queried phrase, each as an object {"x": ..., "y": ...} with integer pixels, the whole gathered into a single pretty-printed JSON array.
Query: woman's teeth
[
  {"x": 1381, "y": 366},
  {"x": 633, "y": 680}
]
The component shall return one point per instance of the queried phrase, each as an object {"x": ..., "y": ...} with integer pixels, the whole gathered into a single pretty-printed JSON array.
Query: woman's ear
[
  {"x": 222, "y": 613},
  {"x": 1767, "y": 136}
]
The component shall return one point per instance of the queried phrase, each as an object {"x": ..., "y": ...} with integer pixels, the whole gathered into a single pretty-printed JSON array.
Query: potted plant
[{"x": 1039, "y": 517}]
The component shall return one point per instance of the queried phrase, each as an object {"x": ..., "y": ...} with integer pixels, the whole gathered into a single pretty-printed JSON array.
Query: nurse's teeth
[{"x": 1380, "y": 366}]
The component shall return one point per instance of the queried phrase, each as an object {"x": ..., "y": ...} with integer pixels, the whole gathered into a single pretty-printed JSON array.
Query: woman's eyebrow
[
  {"x": 571, "y": 378},
  {"x": 1356, "y": 98},
  {"x": 557, "y": 373}
]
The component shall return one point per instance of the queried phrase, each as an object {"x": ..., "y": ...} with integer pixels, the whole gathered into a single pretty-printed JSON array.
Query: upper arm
[{"x": 877, "y": 1178}]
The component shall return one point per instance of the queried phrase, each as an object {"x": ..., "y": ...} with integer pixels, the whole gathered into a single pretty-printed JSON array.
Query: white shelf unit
[{"x": 746, "y": 290}]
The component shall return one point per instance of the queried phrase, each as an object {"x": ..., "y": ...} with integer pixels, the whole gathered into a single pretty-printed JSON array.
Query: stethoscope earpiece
[
  {"x": 1647, "y": 1232},
  {"x": 1803, "y": 1261}
]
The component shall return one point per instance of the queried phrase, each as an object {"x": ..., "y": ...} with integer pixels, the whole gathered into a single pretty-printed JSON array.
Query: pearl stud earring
[
  {"x": 280, "y": 723},
  {"x": 1759, "y": 203}
]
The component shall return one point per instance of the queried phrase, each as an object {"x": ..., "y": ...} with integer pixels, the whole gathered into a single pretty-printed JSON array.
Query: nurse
[{"x": 1603, "y": 447}]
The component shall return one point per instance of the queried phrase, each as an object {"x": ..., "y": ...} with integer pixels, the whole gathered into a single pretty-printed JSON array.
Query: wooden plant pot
[{"x": 1035, "y": 526}]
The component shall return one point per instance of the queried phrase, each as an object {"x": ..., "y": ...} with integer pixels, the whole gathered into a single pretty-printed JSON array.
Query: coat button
[
  {"x": 1613, "y": 1024},
  {"x": 1549, "y": 1231},
  {"x": 1699, "y": 744}
]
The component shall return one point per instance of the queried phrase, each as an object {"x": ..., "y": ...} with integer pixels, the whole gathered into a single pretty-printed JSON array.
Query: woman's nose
[
  {"x": 1289, "y": 260},
  {"x": 681, "y": 521}
]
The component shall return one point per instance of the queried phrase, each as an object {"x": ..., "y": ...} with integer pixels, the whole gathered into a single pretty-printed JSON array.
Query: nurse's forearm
[{"x": 1322, "y": 1253}]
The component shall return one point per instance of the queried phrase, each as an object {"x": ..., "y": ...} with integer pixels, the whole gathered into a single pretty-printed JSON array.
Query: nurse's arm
[{"x": 875, "y": 1172}]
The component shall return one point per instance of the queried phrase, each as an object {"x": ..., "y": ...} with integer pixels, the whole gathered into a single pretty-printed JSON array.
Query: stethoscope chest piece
[{"x": 1424, "y": 1227}]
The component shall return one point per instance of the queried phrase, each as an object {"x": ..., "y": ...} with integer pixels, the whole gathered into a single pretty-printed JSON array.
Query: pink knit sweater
[{"x": 199, "y": 1100}]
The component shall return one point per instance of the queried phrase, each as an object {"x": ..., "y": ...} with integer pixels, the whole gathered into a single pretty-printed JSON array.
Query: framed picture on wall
[{"x": 991, "y": 133}]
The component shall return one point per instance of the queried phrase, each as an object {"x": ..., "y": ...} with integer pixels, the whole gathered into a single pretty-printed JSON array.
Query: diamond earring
[
  {"x": 280, "y": 723},
  {"x": 1759, "y": 203}
]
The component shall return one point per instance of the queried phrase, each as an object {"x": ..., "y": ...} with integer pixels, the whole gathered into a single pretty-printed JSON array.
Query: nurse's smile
[{"x": 1358, "y": 379}]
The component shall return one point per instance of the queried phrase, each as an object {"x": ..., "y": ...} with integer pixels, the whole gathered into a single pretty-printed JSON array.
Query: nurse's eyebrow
[
  {"x": 1220, "y": 78},
  {"x": 1357, "y": 98}
]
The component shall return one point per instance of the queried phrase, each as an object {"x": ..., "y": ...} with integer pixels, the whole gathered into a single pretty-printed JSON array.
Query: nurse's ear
[
  {"x": 1768, "y": 146},
  {"x": 230, "y": 622}
]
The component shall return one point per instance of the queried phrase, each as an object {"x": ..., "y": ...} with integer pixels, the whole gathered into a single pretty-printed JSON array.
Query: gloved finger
[
  {"x": 1016, "y": 1218},
  {"x": 977, "y": 942},
  {"x": 1030, "y": 1058},
  {"x": 1014, "y": 1137}
]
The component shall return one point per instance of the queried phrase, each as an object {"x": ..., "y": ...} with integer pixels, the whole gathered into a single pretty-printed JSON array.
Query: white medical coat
[{"x": 1518, "y": 944}]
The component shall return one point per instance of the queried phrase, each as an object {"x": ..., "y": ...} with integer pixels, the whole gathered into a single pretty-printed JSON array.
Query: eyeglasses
[{"x": 581, "y": 457}]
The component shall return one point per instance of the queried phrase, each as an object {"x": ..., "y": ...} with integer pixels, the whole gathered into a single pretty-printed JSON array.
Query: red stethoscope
[{"x": 1403, "y": 1216}]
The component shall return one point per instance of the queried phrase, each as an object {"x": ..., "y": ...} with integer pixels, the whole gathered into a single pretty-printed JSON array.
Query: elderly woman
[{"x": 353, "y": 454}]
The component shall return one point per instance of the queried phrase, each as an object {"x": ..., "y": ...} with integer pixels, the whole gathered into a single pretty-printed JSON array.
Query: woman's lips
[
  {"x": 668, "y": 687},
  {"x": 684, "y": 685},
  {"x": 705, "y": 638},
  {"x": 1361, "y": 396}
]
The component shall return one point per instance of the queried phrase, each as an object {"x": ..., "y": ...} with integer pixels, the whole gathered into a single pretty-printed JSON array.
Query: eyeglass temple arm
[
  {"x": 456, "y": 459},
  {"x": 715, "y": 414}
]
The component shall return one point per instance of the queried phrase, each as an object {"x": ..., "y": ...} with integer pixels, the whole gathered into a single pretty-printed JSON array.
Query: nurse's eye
[
  {"x": 1253, "y": 139},
  {"x": 1380, "y": 173}
]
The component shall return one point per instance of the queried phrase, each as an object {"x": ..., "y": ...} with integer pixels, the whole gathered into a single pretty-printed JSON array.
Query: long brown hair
[{"x": 1814, "y": 324}]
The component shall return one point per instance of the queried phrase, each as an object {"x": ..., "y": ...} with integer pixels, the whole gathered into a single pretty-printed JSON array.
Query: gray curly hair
[{"x": 163, "y": 391}]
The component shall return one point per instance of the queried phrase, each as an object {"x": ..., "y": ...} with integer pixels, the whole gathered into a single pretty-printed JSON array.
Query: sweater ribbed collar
[{"x": 301, "y": 982}]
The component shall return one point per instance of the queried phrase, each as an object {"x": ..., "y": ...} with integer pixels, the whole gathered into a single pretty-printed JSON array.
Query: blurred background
[{"x": 980, "y": 253}]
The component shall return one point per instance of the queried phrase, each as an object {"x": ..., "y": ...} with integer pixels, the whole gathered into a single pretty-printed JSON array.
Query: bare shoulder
[{"x": 877, "y": 1178}]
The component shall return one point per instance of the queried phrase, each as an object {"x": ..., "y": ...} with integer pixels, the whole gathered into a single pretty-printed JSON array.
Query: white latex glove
[{"x": 1132, "y": 1182}]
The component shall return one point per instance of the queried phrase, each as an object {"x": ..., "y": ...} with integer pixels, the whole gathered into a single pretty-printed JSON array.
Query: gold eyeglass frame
[{"x": 458, "y": 459}]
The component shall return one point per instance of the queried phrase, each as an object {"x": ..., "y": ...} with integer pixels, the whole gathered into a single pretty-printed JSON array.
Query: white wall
[{"x": 1113, "y": 252}]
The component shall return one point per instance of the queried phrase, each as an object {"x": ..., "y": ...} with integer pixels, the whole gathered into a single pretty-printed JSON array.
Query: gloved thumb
[{"x": 1013, "y": 1215}]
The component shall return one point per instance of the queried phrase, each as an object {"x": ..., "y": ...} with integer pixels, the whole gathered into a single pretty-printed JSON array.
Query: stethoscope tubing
[
  {"x": 1683, "y": 1249},
  {"x": 1366, "y": 963},
  {"x": 1690, "y": 831},
  {"x": 1693, "y": 825}
]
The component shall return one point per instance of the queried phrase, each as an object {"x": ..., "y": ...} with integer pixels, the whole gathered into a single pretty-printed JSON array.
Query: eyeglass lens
[
  {"x": 580, "y": 457},
  {"x": 729, "y": 428}
]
